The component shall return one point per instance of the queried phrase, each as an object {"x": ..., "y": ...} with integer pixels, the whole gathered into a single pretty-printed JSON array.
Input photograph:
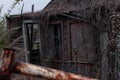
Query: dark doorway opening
[
  {"x": 32, "y": 31},
  {"x": 53, "y": 51},
  {"x": 58, "y": 41}
]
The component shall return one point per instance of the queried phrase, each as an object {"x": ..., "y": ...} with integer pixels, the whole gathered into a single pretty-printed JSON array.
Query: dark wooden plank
[
  {"x": 66, "y": 42},
  {"x": 82, "y": 42},
  {"x": 49, "y": 47},
  {"x": 83, "y": 47},
  {"x": 84, "y": 69},
  {"x": 88, "y": 69},
  {"x": 105, "y": 55},
  {"x": 66, "y": 47}
]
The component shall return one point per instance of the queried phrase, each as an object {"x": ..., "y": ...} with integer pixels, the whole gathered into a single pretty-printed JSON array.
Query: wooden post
[
  {"x": 105, "y": 57},
  {"x": 33, "y": 8},
  {"x": 25, "y": 40}
]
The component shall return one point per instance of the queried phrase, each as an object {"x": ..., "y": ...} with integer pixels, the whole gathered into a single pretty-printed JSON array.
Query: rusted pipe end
[{"x": 8, "y": 59}]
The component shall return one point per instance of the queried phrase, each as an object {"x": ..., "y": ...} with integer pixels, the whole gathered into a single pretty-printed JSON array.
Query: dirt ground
[{"x": 22, "y": 77}]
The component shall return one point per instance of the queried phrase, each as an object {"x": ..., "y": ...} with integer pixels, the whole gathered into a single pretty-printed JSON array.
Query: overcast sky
[{"x": 38, "y": 5}]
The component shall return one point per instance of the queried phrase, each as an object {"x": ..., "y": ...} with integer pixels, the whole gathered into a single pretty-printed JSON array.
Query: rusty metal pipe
[
  {"x": 38, "y": 71},
  {"x": 29, "y": 69},
  {"x": 8, "y": 58}
]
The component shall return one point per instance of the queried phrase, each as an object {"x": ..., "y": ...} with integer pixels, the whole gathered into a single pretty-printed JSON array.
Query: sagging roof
[
  {"x": 94, "y": 11},
  {"x": 79, "y": 6}
]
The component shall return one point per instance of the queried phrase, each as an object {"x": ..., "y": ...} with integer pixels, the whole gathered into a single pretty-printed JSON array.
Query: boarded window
[
  {"x": 53, "y": 46},
  {"x": 57, "y": 41},
  {"x": 82, "y": 42}
]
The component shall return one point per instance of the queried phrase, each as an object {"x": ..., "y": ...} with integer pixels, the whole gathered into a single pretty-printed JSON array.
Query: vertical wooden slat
[
  {"x": 87, "y": 69},
  {"x": 41, "y": 44},
  {"x": 82, "y": 41},
  {"x": 105, "y": 57},
  {"x": 25, "y": 40},
  {"x": 81, "y": 69},
  {"x": 66, "y": 42},
  {"x": 50, "y": 47},
  {"x": 82, "y": 46},
  {"x": 66, "y": 47},
  {"x": 117, "y": 57}
]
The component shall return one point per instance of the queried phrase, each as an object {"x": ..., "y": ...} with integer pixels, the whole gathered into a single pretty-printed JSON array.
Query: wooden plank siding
[
  {"x": 78, "y": 46},
  {"x": 82, "y": 47},
  {"x": 76, "y": 61},
  {"x": 82, "y": 42}
]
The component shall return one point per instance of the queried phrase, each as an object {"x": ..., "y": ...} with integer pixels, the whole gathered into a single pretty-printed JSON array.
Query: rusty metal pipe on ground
[{"x": 37, "y": 71}]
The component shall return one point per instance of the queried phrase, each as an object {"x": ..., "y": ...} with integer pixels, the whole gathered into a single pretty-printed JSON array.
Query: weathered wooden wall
[
  {"x": 79, "y": 35},
  {"x": 79, "y": 44},
  {"x": 13, "y": 23}
]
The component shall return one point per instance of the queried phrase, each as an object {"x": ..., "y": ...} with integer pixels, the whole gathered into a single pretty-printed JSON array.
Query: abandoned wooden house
[{"x": 77, "y": 36}]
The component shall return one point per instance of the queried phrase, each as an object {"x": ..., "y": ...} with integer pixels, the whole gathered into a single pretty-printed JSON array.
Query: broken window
[
  {"x": 32, "y": 36},
  {"x": 32, "y": 40}
]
